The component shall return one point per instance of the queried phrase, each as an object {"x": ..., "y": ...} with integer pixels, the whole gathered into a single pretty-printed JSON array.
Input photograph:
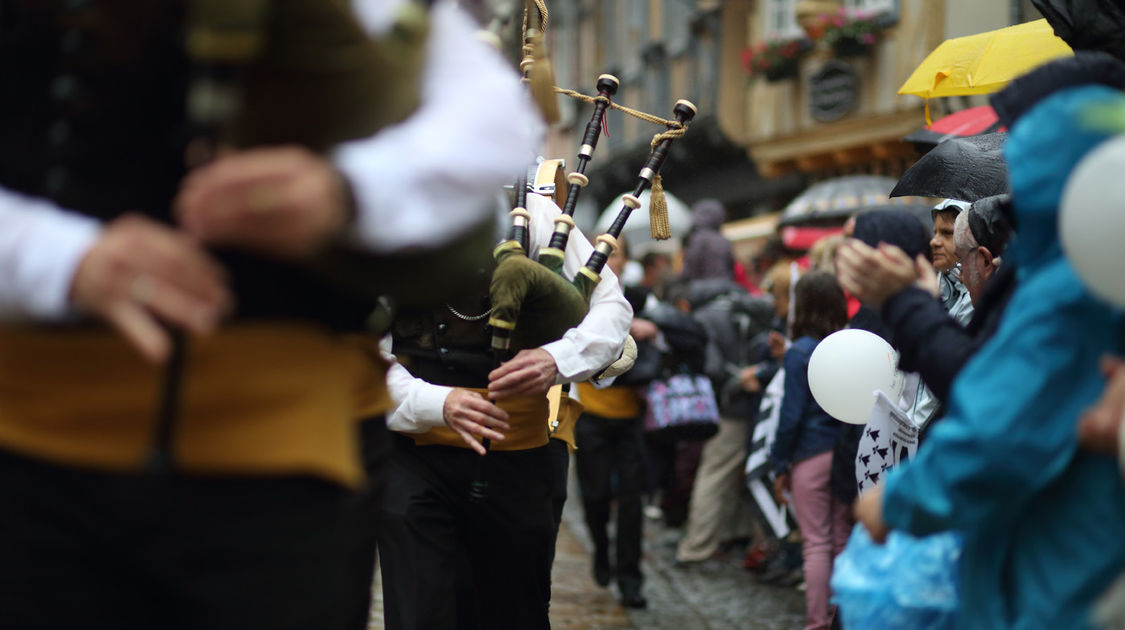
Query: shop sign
[{"x": 833, "y": 91}]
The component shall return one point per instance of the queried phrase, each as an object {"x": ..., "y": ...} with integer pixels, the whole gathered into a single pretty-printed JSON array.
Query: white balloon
[
  {"x": 1092, "y": 220},
  {"x": 847, "y": 368}
]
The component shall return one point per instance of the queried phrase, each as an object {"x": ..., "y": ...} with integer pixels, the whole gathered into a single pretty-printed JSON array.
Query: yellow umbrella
[{"x": 985, "y": 62}]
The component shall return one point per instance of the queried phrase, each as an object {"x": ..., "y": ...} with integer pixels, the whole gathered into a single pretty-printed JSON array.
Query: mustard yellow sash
[
  {"x": 527, "y": 416},
  {"x": 258, "y": 399}
]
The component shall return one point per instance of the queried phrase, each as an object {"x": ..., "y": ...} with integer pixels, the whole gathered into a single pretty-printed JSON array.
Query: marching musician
[
  {"x": 359, "y": 131},
  {"x": 486, "y": 562}
]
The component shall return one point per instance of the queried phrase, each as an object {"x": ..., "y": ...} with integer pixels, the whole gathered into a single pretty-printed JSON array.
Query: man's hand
[
  {"x": 139, "y": 273},
  {"x": 869, "y": 511},
  {"x": 529, "y": 373},
  {"x": 285, "y": 202},
  {"x": 927, "y": 276},
  {"x": 642, "y": 329},
  {"x": 871, "y": 274},
  {"x": 472, "y": 417},
  {"x": 748, "y": 379},
  {"x": 1099, "y": 425},
  {"x": 780, "y": 487}
]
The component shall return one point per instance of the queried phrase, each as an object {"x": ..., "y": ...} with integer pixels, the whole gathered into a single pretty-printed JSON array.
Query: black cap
[{"x": 990, "y": 221}]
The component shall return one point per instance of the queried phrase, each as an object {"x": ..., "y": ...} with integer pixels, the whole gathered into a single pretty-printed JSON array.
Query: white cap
[{"x": 952, "y": 204}]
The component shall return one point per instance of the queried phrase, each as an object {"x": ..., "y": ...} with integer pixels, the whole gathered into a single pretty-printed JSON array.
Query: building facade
[{"x": 831, "y": 109}]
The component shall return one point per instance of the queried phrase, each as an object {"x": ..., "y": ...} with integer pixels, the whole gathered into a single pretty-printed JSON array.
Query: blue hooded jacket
[{"x": 1043, "y": 521}]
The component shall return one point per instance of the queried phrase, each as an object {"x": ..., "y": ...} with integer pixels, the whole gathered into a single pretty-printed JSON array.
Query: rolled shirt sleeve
[
  {"x": 432, "y": 177},
  {"x": 419, "y": 405},
  {"x": 41, "y": 246}
]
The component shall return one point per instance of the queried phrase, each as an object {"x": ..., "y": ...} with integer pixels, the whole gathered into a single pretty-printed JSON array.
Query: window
[
  {"x": 677, "y": 34},
  {"x": 636, "y": 34},
  {"x": 610, "y": 38},
  {"x": 781, "y": 19},
  {"x": 872, "y": 6}
]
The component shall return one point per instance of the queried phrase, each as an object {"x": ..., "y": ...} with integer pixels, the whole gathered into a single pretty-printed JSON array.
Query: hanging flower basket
[
  {"x": 852, "y": 47},
  {"x": 852, "y": 34},
  {"x": 788, "y": 69},
  {"x": 776, "y": 59}
]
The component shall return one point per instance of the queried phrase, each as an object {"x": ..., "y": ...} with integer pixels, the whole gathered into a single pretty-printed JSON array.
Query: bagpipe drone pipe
[{"x": 532, "y": 303}]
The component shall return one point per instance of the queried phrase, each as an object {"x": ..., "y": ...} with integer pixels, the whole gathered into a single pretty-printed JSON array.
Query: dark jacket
[
  {"x": 737, "y": 326},
  {"x": 707, "y": 253},
  {"x": 904, "y": 230},
  {"x": 803, "y": 428},
  {"x": 932, "y": 343},
  {"x": 686, "y": 338}
]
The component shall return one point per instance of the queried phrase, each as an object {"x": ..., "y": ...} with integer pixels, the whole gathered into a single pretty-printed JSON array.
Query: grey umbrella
[
  {"x": 965, "y": 169},
  {"x": 839, "y": 198}
]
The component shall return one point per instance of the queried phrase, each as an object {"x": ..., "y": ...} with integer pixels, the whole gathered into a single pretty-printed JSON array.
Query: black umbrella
[
  {"x": 1087, "y": 24},
  {"x": 965, "y": 169}
]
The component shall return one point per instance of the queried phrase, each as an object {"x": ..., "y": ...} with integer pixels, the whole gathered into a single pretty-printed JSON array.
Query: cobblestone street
[{"x": 717, "y": 595}]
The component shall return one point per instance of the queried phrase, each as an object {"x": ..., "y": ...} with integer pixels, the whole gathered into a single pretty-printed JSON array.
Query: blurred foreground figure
[{"x": 177, "y": 440}]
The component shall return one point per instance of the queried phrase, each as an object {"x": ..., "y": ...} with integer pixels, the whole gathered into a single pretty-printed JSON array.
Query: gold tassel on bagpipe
[
  {"x": 536, "y": 66},
  {"x": 658, "y": 223}
]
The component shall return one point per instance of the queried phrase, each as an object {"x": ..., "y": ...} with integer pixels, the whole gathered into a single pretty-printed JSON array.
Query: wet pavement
[{"x": 715, "y": 595}]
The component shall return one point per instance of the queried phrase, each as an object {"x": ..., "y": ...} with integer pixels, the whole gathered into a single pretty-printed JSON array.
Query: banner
[
  {"x": 774, "y": 513},
  {"x": 888, "y": 439},
  {"x": 757, "y": 462}
]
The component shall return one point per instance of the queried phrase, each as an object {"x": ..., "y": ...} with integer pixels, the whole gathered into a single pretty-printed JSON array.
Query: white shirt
[
  {"x": 582, "y": 352},
  {"x": 421, "y": 182}
]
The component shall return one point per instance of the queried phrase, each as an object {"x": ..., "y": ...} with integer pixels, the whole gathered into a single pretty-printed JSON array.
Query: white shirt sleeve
[
  {"x": 431, "y": 177},
  {"x": 418, "y": 404},
  {"x": 597, "y": 342},
  {"x": 41, "y": 246}
]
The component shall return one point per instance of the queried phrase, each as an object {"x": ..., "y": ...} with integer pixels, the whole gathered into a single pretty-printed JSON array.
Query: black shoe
[
  {"x": 602, "y": 573},
  {"x": 632, "y": 598},
  {"x": 775, "y": 572}
]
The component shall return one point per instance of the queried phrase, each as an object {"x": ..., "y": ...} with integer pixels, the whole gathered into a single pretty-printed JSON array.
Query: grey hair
[{"x": 963, "y": 240}]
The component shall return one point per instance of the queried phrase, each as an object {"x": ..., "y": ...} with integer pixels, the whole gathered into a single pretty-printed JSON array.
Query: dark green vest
[
  {"x": 445, "y": 347},
  {"x": 92, "y": 113}
]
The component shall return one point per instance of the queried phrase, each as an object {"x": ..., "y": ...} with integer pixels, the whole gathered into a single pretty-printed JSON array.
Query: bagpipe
[{"x": 532, "y": 303}]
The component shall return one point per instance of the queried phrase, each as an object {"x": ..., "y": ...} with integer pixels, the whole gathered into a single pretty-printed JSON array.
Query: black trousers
[
  {"x": 451, "y": 563},
  {"x": 560, "y": 464},
  {"x": 90, "y": 550},
  {"x": 612, "y": 449},
  {"x": 375, "y": 448}
]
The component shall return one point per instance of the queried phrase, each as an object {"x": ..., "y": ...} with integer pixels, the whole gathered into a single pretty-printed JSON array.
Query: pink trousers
[{"x": 825, "y": 523}]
